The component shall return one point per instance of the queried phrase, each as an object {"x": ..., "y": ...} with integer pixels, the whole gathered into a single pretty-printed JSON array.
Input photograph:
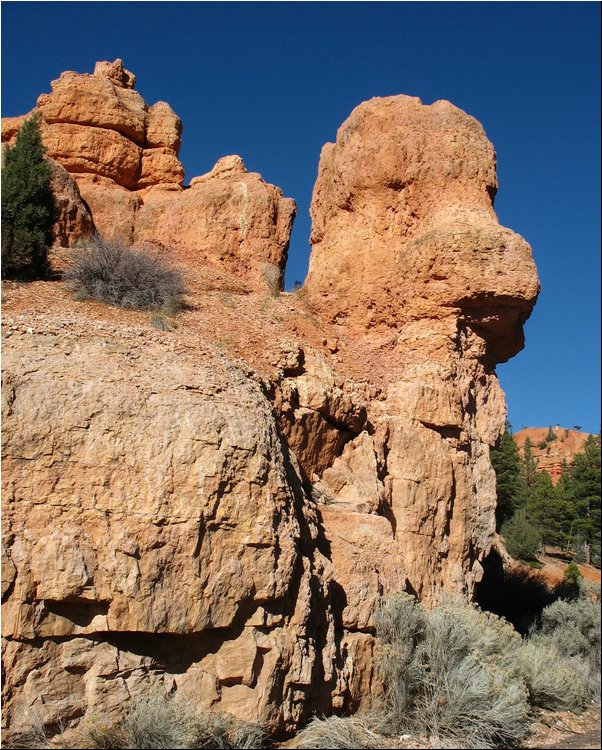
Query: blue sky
[{"x": 273, "y": 82}]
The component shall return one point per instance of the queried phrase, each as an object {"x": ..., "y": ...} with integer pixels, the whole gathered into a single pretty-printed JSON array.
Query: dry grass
[{"x": 335, "y": 732}]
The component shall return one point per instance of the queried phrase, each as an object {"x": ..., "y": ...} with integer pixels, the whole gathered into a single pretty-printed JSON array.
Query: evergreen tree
[
  {"x": 506, "y": 462},
  {"x": 549, "y": 510},
  {"x": 522, "y": 536},
  {"x": 28, "y": 206},
  {"x": 583, "y": 491},
  {"x": 528, "y": 468}
]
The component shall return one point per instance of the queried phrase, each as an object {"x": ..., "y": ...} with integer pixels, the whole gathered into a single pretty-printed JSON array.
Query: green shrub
[
  {"x": 451, "y": 673},
  {"x": 28, "y": 206},
  {"x": 522, "y": 538},
  {"x": 118, "y": 275},
  {"x": 573, "y": 579}
]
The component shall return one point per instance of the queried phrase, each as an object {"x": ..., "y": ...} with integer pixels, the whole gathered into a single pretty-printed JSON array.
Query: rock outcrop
[
  {"x": 219, "y": 508},
  {"x": 407, "y": 251},
  {"x": 552, "y": 447},
  {"x": 123, "y": 155}
]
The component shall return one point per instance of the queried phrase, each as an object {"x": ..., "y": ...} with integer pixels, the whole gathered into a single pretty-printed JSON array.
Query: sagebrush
[
  {"x": 449, "y": 673},
  {"x": 572, "y": 630},
  {"x": 467, "y": 679},
  {"x": 339, "y": 733},
  {"x": 119, "y": 275},
  {"x": 152, "y": 720},
  {"x": 156, "y": 720}
]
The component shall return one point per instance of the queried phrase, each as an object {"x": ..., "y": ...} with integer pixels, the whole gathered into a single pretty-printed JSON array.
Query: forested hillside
[{"x": 534, "y": 513}]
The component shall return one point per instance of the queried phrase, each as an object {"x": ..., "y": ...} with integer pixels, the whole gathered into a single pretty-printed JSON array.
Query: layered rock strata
[
  {"x": 123, "y": 156},
  {"x": 225, "y": 524}
]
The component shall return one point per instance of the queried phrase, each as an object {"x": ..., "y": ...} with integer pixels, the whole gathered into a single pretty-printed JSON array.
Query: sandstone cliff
[{"x": 219, "y": 507}]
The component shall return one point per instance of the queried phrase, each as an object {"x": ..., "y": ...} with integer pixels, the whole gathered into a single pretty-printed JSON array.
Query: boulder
[
  {"x": 163, "y": 127},
  {"x": 99, "y": 101}
]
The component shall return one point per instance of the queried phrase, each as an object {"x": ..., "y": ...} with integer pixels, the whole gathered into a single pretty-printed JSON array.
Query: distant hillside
[{"x": 551, "y": 454}]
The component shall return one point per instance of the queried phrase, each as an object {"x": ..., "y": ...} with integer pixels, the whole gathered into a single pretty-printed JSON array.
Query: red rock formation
[
  {"x": 404, "y": 227},
  {"x": 407, "y": 253},
  {"x": 124, "y": 158},
  {"x": 219, "y": 508},
  {"x": 553, "y": 455}
]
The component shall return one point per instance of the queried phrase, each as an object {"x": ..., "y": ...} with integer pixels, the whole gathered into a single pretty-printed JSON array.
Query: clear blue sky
[{"x": 273, "y": 82}]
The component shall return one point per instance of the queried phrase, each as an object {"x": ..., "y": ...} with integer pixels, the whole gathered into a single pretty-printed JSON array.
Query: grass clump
[
  {"x": 337, "y": 733},
  {"x": 112, "y": 272},
  {"x": 158, "y": 721}
]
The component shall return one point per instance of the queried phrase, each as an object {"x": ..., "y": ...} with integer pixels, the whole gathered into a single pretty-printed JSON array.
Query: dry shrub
[
  {"x": 572, "y": 630},
  {"x": 335, "y": 732},
  {"x": 223, "y": 731},
  {"x": 573, "y": 627},
  {"x": 32, "y": 736},
  {"x": 33, "y": 733},
  {"x": 552, "y": 680},
  {"x": 400, "y": 624},
  {"x": 118, "y": 275},
  {"x": 155, "y": 720},
  {"x": 450, "y": 673},
  {"x": 271, "y": 276}
]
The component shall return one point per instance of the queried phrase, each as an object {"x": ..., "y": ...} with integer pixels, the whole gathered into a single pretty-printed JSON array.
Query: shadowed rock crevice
[{"x": 517, "y": 593}]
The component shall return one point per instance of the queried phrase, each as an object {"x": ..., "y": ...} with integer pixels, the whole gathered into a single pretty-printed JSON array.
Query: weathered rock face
[
  {"x": 228, "y": 217},
  {"x": 407, "y": 249},
  {"x": 74, "y": 217},
  {"x": 198, "y": 537},
  {"x": 124, "y": 158},
  {"x": 404, "y": 228},
  {"x": 226, "y": 525}
]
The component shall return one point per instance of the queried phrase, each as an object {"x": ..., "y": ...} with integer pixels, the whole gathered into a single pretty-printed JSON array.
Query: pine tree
[
  {"x": 522, "y": 537},
  {"x": 583, "y": 490},
  {"x": 549, "y": 510},
  {"x": 528, "y": 468},
  {"x": 506, "y": 462},
  {"x": 28, "y": 206}
]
